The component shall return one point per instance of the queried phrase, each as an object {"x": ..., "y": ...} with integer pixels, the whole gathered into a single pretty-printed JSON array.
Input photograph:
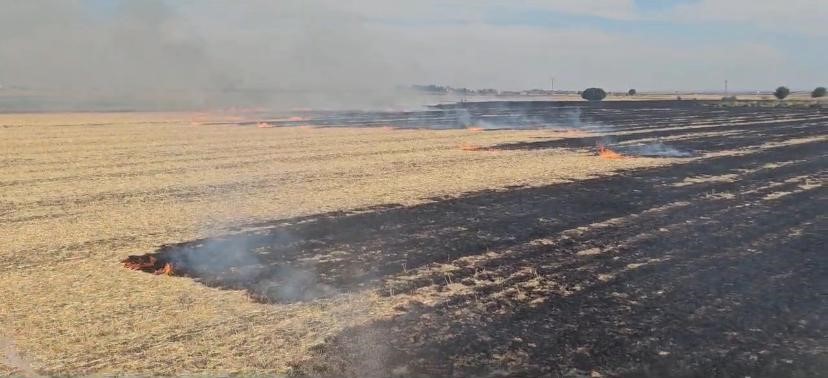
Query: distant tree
[
  {"x": 631, "y": 92},
  {"x": 781, "y": 92},
  {"x": 818, "y": 92},
  {"x": 593, "y": 94}
]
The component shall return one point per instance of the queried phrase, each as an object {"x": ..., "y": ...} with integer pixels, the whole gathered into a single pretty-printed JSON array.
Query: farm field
[{"x": 469, "y": 239}]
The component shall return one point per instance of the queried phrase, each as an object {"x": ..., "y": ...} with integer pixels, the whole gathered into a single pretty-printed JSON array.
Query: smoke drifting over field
[
  {"x": 10, "y": 357},
  {"x": 334, "y": 54},
  {"x": 246, "y": 262},
  {"x": 156, "y": 54},
  {"x": 657, "y": 149}
]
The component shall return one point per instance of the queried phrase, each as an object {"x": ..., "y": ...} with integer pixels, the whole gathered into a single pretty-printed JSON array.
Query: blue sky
[
  {"x": 810, "y": 50},
  {"x": 653, "y": 5},
  {"x": 338, "y": 44}
]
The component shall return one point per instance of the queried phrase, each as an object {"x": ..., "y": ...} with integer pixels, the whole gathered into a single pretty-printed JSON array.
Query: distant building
[{"x": 487, "y": 92}]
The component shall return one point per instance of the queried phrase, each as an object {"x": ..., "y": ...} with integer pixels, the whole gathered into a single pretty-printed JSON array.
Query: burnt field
[
  {"x": 635, "y": 274},
  {"x": 710, "y": 265}
]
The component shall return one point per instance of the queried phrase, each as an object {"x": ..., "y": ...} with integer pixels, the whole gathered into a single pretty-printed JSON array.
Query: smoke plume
[
  {"x": 165, "y": 54},
  {"x": 10, "y": 357}
]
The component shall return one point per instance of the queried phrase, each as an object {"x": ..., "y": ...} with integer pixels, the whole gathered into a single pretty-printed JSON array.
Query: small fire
[
  {"x": 167, "y": 270},
  {"x": 150, "y": 264},
  {"x": 264, "y": 125},
  {"x": 475, "y": 129},
  {"x": 469, "y": 147},
  {"x": 144, "y": 262},
  {"x": 606, "y": 153}
]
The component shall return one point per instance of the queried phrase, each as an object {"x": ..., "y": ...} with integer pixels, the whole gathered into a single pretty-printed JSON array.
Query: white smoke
[
  {"x": 657, "y": 149},
  {"x": 326, "y": 53},
  {"x": 254, "y": 261},
  {"x": 11, "y": 358}
]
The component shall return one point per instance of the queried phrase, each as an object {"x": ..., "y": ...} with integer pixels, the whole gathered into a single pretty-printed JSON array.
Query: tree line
[{"x": 598, "y": 94}]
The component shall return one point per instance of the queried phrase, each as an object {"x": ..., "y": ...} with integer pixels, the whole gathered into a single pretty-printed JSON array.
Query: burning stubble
[
  {"x": 282, "y": 173},
  {"x": 234, "y": 263},
  {"x": 606, "y": 153}
]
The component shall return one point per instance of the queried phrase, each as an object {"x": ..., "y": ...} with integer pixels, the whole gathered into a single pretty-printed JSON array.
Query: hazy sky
[{"x": 308, "y": 45}]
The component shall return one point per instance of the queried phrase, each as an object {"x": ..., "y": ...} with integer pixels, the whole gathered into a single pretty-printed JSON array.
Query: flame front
[
  {"x": 167, "y": 270},
  {"x": 606, "y": 153}
]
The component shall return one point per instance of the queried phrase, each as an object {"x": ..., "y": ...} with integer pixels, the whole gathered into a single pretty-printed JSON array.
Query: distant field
[
  {"x": 452, "y": 251},
  {"x": 19, "y": 100}
]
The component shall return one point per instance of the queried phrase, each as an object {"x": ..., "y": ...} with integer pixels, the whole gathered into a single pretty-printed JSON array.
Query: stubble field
[{"x": 414, "y": 251}]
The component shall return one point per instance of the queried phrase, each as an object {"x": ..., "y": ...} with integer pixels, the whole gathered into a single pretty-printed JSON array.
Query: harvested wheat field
[{"x": 408, "y": 244}]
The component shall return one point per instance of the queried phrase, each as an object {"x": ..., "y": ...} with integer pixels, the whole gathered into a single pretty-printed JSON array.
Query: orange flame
[
  {"x": 263, "y": 125},
  {"x": 148, "y": 263},
  {"x": 167, "y": 270},
  {"x": 475, "y": 129},
  {"x": 469, "y": 147},
  {"x": 606, "y": 153}
]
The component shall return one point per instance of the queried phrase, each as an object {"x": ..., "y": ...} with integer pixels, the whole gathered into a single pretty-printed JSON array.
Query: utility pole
[
  {"x": 725, "y": 87},
  {"x": 553, "y": 85}
]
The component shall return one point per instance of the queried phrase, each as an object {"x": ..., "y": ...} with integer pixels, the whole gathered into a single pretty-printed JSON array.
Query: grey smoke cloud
[
  {"x": 259, "y": 53},
  {"x": 347, "y": 53},
  {"x": 63, "y": 45}
]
